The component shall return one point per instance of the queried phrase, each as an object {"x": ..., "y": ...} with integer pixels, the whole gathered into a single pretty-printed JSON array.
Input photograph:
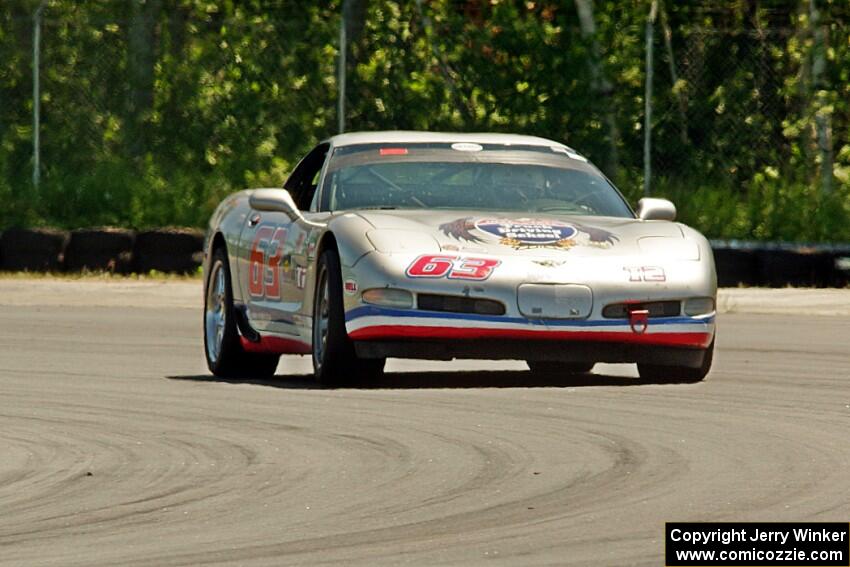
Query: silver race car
[{"x": 441, "y": 246}]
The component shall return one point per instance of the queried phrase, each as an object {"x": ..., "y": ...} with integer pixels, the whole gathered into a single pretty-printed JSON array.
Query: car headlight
[
  {"x": 669, "y": 248},
  {"x": 699, "y": 306},
  {"x": 388, "y": 297}
]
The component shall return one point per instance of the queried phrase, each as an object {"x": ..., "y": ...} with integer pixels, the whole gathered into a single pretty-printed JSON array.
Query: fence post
[
  {"x": 36, "y": 95},
  {"x": 343, "y": 48},
  {"x": 822, "y": 117},
  {"x": 647, "y": 115}
]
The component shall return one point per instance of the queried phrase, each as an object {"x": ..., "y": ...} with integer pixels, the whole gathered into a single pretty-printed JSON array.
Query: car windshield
[{"x": 490, "y": 177}]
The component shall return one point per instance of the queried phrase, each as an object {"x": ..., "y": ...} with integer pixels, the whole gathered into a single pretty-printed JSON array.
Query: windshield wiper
[{"x": 553, "y": 208}]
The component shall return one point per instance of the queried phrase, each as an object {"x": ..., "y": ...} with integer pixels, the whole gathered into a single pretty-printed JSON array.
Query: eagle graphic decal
[
  {"x": 460, "y": 230},
  {"x": 527, "y": 233}
]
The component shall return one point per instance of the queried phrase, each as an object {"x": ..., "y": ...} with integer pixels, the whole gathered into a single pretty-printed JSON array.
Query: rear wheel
[
  {"x": 334, "y": 359},
  {"x": 555, "y": 368},
  {"x": 681, "y": 374},
  {"x": 224, "y": 352}
]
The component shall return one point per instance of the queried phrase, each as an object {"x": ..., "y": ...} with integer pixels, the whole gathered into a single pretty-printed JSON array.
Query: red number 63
[
  {"x": 264, "y": 279},
  {"x": 452, "y": 267}
]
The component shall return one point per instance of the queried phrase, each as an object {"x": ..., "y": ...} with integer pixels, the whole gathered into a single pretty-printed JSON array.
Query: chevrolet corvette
[{"x": 441, "y": 246}]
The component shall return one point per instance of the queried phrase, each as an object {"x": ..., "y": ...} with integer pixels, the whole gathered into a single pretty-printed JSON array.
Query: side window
[{"x": 303, "y": 180}]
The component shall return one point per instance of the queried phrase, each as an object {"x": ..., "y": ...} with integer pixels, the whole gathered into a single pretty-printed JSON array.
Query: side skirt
[{"x": 253, "y": 341}]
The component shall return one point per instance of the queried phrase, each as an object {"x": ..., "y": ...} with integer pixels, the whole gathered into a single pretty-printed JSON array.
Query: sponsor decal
[
  {"x": 530, "y": 232},
  {"x": 300, "y": 277},
  {"x": 350, "y": 287},
  {"x": 526, "y": 233},
  {"x": 301, "y": 244},
  {"x": 452, "y": 267},
  {"x": 646, "y": 273},
  {"x": 467, "y": 147},
  {"x": 312, "y": 241}
]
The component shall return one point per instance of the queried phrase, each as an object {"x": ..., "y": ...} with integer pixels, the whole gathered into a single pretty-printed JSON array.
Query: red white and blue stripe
[{"x": 382, "y": 323}]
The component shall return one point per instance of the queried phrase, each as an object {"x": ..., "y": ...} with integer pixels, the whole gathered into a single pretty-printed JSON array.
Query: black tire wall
[
  {"x": 33, "y": 250},
  {"x": 168, "y": 250},
  {"x": 108, "y": 249}
]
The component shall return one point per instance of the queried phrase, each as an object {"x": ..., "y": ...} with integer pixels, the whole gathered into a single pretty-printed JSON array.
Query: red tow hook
[{"x": 639, "y": 320}]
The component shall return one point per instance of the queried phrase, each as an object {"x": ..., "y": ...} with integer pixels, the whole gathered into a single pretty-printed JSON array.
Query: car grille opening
[
  {"x": 655, "y": 308},
  {"x": 455, "y": 304}
]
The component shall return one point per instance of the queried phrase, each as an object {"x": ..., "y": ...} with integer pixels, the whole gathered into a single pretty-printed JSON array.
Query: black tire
[
  {"x": 678, "y": 374},
  {"x": 105, "y": 248},
  {"x": 334, "y": 360},
  {"x": 554, "y": 368},
  {"x": 33, "y": 250},
  {"x": 229, "y": 359},
  {"x": 177, "y": 250}
]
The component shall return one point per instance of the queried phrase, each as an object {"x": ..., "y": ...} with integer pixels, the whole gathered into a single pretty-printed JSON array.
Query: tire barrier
[
  {"x": 33, "y": 250},
  {"x": 108, "y": 249},
  {"x": 179, "y": 250},
  {"x": 808, "y": 268},
  {"x": 781, "y": 264},
  {"x": 736, "y": 267},
  {"x": 175, "y": 250}
]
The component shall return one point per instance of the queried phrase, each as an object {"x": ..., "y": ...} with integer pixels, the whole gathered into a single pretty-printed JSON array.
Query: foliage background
[{"x": 153, "y": 110}]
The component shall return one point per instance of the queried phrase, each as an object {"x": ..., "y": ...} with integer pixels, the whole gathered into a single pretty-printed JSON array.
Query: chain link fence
[
  {"x": 752, "y": 116},
  {"x": 731, "y": 124},
  {"x": 152, "y": 111}
]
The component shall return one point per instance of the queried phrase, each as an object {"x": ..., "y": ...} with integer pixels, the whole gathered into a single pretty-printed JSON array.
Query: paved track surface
[{"x": 116, "y": 447}]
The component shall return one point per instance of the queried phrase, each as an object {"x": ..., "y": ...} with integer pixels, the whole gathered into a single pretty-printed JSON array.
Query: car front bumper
[{"x": 410, "y": 333}]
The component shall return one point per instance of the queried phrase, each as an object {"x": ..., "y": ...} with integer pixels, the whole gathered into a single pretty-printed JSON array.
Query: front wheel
[
  {"x": 680, "y": 374},
  {"x": 334, "y": 359},
  {"x": 224, "y": 352}
]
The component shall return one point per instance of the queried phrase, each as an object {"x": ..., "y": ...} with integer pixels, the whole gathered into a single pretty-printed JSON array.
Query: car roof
[{"x": 412, "y": 137}]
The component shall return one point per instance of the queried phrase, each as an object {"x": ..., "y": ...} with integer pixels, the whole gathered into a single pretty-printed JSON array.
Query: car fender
[
  {"x": 227, "y": 223},
  {"x": 347, "y": 232}
]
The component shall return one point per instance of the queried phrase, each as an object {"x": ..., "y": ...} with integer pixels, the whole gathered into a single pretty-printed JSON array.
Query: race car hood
[{"x": 525, "y": 234}]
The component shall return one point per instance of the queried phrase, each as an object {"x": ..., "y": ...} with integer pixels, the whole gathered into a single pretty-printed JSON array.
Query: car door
[{"x": 273, "y": 276}]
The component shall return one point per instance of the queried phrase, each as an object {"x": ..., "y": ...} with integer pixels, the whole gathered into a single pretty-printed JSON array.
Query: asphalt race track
[{"x": 117, "y": 447}]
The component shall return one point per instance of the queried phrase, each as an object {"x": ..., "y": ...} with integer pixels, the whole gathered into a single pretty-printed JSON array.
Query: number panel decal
[
  {"x": 452, "y": 267},
  {"x": 267, "y": 253},
  {"x": 275, "y": 256},
  {"x": 646, "y": 273},
  {"x": 256, "y": 270},
  {"x": 431, "y": 266},
  {"x": 473, "y": 269}
]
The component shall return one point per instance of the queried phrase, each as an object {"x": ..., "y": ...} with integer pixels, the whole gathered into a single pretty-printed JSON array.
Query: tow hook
[{"x": 639, "y": 320}]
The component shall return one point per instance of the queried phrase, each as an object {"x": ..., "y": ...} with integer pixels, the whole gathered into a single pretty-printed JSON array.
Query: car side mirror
[
  {"x": 275, "y": 200},
  {"x": 650, "y": 208}
]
